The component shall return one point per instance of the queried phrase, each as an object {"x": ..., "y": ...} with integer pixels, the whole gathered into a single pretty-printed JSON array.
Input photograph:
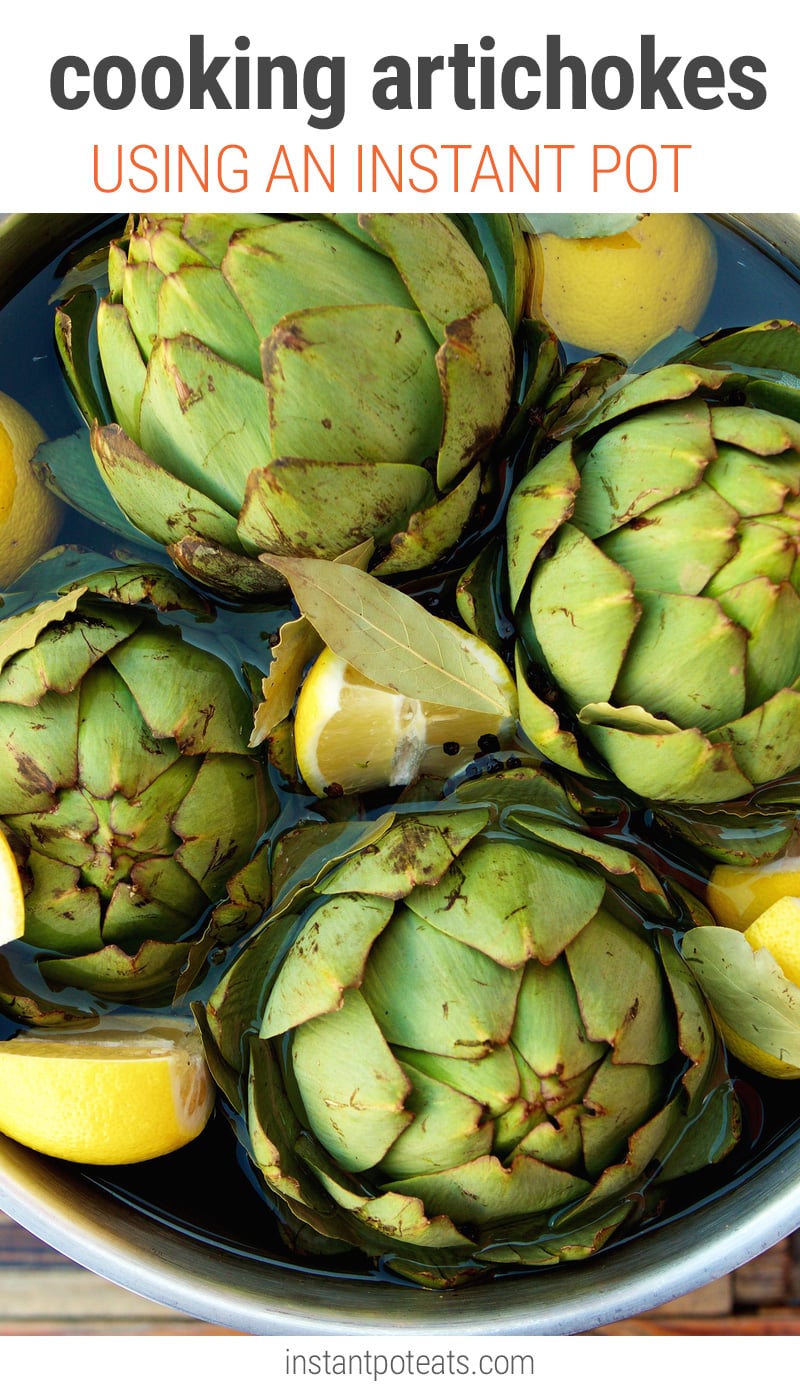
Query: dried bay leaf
[{"x": 389, "y": 637}]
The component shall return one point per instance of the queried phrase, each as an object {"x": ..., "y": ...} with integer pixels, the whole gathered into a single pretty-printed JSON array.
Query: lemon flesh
[
  {"x": 12, "y": 899},
  {"x": 739, "y": 895},
  {"x": 353, "y": 735},
  {"x": 778, "y": 930},
  {"x": 117, "y": 1094},
  {"x": 30, "y": 515},
  {"x": 625, "y": 293}
]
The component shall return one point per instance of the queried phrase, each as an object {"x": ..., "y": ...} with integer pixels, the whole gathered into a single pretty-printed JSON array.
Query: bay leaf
[
  {"x": 389, "y": 637},
  {"x": 746, "y": 989},
  {"x": 298, "y": 643}
]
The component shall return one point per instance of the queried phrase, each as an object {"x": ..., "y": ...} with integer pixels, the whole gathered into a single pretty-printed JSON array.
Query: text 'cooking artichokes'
[
  {"x": 125, "y": 782},
  {"x": 654, "y": 558},
  {"x": 296, "y": 386},
  {"x": 460, "y": 1049}
]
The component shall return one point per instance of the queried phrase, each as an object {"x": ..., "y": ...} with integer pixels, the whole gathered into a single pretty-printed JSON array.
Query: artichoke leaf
[
  {"x": 746, "y": 989},
  {"x": 61, "y": 914},
  {"x": 18, "y": 632},
  {"x": 390, "y": 410},
  {"x": 541, "y": 725},
  {"x": 74, "y": 319},
  {"x": 195, "y": 300},
  {"x": 122, "y": 756},
  {"x": 576, "y": 594},
  {"x": 770, "y": 616},
  {"x": 204, "y": 420},
  {"x": 327, "y": 958},
  {"x": 294, "y": 507},
  {"x": 463, "y": 1002},
  {"x": 542, "y": 502},
  {"x": 119, "y": 343},
  {"x": 620, "y": 989},
  {"x": 112, "y": 973},
  {"x": 277, "y": 270},
  {"x": 446, "y": 1128},
  {"x": 474, "y": 406},
  {"x": 445, "y": 278},
  {"x": 657, "y": 760},
  {"x": 63, "y": 655},
  {"x": 308, "y": 853},
  {"x": 773, "y": 345},
  {"x": 150, "y": 496},
  {"x": 765, "y": 742},
  {"x": 68, "y": 468},
  {"x": 688, "y": 662},
  {"x": 392, "y": 860},
  {"x": 235, "y": 790},
  {"x": 476, "y": 596},
  {"x": 637, "y": 464},
  {"x": 228, "y": 573},
  {"x": 218, "y": 722},
  {"x": 653, "y": 548},
  {"x": 484, "y": 1191},
  {"x": 389, "y": 637},
  {"x": 510, "y": 901},
  {"x": 352, "y": 1088},
  {"x": 51, "y": 730},
  {"x": 433, "y": 531}
]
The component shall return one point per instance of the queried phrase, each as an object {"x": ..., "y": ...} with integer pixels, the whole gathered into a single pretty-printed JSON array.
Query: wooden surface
[{"x": 41, "y": 1292}]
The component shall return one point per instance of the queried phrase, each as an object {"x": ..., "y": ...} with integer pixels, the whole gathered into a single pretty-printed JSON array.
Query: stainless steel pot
[{"x": 67, "y": 1211}]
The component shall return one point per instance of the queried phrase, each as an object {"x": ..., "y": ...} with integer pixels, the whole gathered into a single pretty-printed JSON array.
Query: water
[{"x": 753, "y": 284}]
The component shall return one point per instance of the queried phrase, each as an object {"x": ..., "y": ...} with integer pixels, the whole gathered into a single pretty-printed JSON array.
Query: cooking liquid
[{"x": 209, "y": 1189}]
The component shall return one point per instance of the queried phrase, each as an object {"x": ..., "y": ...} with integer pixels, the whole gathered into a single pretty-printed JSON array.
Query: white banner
[{"x": 464, "y": 106}]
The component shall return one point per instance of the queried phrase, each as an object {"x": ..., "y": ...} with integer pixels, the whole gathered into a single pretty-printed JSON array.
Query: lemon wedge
[
  {"x": 624, "y": 293},
  {"x": 778, "y": 930},
  {"x": 739, "y": 895},
  {"x": 12, "y": 899},
  {"x": 131, "y": 1089},
  {"x": 353, "y": 735},
  {"x": 30, "y": 515}
]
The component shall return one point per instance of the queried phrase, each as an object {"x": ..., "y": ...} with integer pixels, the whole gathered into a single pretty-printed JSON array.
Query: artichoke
[
  {"x": 126, "y": 788},
  {"x": 653, "y": 563},
  {"x": 459, "y": 1047},
  {"x": 296, "y": 385}
]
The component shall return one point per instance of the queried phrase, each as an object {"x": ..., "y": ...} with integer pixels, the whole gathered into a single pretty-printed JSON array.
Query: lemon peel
[
  {"x": 30, "y": 514},
  {"x": 12, "y": 897},
  {"x": 624, "y": 293},
  {"x": 131, "y": 1089},
  {"x": 355, "y": 735}
]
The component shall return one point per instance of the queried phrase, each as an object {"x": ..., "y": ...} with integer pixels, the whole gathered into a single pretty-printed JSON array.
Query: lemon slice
[
  {"x": 131, "y": 1089},
  {"x": 625, "y": 293},
  {"x": 12, "y": 899},
  {"x": 778, "y": 930},
  {"x": 739, "y": 895},
  {"x": 353, "y": 735},
  {"x": 30, "y": 515}
]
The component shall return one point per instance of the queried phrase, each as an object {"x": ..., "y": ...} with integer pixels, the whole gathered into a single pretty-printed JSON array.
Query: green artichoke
[
  {"x": 459, "y": 1047},
  {"x": 653, "y": 563},
  {"x": 296, "y": 385},
  {"x": 126, "y": 787}
]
